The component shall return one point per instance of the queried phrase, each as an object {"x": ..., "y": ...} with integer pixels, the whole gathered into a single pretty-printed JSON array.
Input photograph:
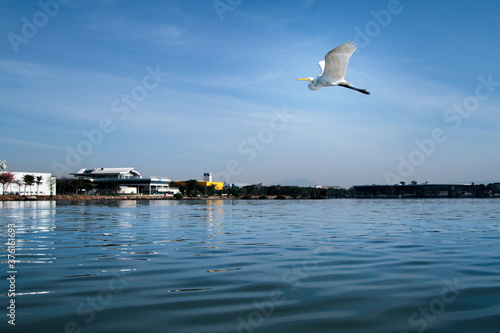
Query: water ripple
[{"x": 258, "y": 266}]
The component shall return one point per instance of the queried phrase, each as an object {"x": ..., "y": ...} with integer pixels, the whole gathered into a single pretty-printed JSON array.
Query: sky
[{"x": 179, "y": 88}]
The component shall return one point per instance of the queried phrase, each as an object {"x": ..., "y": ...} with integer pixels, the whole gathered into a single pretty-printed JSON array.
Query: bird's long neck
[{"x": 314, "y": 85}]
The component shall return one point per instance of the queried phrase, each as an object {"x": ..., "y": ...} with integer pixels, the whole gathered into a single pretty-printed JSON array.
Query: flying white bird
[{"x": 333, "y": 69}]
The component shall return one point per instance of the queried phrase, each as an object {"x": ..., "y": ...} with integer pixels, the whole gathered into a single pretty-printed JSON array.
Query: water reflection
[
  {"x": 29, "y": 217},
  {"x": 212, "y": 265},
  {"x": 215, "y": 217}
]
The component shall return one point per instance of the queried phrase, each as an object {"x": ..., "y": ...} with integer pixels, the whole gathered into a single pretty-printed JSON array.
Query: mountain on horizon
[{"x": 302, "y": 182}]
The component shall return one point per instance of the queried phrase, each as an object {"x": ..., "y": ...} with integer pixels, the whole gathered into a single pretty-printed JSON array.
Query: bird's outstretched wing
[
  {"x": 336, "y": 61},
  {"x": 321, "y": 65}
]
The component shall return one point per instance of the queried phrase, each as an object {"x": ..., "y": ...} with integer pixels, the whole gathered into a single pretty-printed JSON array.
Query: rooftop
[{"x": 107, "y": 171}]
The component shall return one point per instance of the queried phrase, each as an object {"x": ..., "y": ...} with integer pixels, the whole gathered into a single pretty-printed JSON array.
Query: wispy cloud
[
  {"x": 163, "y": 33},
  {"x": 75, "y": 94},
  {"x": 22, "y": 68},
  {"x": 130, "y": 29},
  {"x": 29, "y": 143},
  {"x": 234, "y": 81}
]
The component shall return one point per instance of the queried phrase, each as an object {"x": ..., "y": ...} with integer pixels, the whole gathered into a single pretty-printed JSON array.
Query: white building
[
  {"x": 129, "y": 180},
  {"x": 44, "y": 184}
]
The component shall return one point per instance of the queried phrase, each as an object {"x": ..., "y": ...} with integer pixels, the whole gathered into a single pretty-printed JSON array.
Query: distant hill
[{"x": 302, "y": 182}]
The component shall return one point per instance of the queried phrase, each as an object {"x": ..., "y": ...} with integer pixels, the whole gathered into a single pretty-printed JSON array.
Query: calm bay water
[{"x": 254, "y": 266}]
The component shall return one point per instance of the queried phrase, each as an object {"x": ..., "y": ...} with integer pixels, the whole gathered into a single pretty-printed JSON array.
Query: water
[{"x": 254, "y": 266}]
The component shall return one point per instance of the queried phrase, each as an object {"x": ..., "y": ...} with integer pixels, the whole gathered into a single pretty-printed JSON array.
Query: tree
[
  {"x": 210, "y": 190},
  {"x": 494, "y": 189},
  {"x": 82, "y": 185},
  {"x": 19, "y": 183},
  {"x": 28, "y": 180},
  {"x": 63, "y": 186},
  {"x": 6, "y": 178},
  {"x": 52, "y": 182},
  {"x": 235, "y": 191},
  {"x": 38, "y": 181},
  {"x": 109, "y": 187},
  {"x": 192, "y": 188},
  {"x": 73, "y": 186}
]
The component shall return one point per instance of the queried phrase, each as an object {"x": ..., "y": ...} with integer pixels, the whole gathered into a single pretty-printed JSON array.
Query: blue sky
[{"x": 178, "y": 88}]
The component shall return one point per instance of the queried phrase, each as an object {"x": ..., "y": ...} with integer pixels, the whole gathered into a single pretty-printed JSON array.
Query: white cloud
[
  {"x": 22, "y": 68},
  {"x": 29, "y": 143}
]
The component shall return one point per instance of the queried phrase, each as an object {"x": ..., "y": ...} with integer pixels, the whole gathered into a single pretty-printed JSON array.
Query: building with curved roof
[{"x": 129, "y": 179}]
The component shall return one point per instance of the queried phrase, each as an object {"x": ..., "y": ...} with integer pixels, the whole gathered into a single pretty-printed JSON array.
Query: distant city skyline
[{"x": 180, "y": 88}]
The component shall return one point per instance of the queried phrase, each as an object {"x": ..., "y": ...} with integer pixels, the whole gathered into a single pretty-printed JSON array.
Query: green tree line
[
  {"x": 282, "y": 192},
  {"x": 84, "y": 186}
]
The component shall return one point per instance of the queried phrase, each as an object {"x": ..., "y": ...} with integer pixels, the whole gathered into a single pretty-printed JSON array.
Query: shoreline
[
  {"x": 64, "y": 197},
  {"x": 78, "y": 198}
]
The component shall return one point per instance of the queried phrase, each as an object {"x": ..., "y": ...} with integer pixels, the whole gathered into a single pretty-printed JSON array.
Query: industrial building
[
  {"x": 130, "y": 180},
  {"x": 207, "y": 182},
  {"x": 218, "y": 185}
]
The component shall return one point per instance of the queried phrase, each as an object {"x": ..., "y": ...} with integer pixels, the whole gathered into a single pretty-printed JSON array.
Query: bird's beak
[{"x": 304, "y": 79}]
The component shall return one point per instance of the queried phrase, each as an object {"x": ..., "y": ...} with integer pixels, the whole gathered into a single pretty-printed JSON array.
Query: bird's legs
[{"x": 348, "y": 85}]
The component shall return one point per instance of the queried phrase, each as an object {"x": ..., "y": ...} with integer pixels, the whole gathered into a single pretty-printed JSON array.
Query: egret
[{"x": 333, "y": 69}]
